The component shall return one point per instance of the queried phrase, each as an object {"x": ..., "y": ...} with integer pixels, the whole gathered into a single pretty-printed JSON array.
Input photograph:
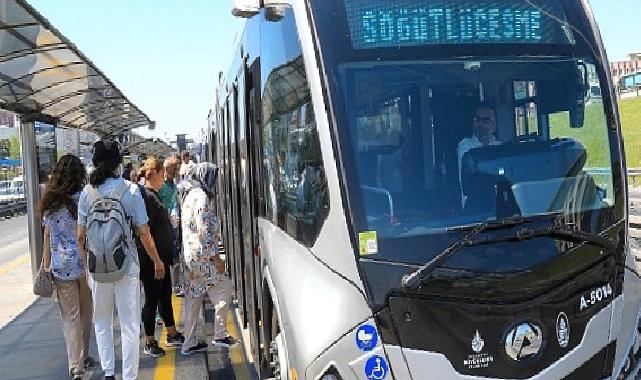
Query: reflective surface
[
  {"x": 523, "y": 341},
  {"x": 439, "y": 137},
  {"x": 417, "y": 136}
]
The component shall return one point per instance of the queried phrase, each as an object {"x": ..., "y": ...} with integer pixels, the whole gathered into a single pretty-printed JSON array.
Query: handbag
[{"x": 43, "y": 284}]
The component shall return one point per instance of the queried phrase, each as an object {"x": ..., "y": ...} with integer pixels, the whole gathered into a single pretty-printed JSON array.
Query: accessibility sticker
[
  {"x": 368, "y": 243},
  {"x": 376, "y": 368},
  {"x": 366, "y": 337}
]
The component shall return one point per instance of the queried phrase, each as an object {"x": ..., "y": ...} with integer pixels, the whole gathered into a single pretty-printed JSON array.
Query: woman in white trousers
[
  {"x": 124, "y": 294},
  {"x": 204, "y": 269}
]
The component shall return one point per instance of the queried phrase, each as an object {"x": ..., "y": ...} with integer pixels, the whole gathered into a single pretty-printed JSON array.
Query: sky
[{"x": 165, "y": 55}]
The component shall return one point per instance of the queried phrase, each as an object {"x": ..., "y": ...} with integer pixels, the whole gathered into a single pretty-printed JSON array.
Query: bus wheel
[
  {"x": 276, "y": 362},
  {"x": 279, "y": 358},
  {"x": 628, "y": 366}
]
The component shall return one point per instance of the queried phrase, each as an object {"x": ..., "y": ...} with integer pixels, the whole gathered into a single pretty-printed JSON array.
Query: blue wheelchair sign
[
  {"x": 366, "y": 337},
  {"x": 376, "y": 368}
]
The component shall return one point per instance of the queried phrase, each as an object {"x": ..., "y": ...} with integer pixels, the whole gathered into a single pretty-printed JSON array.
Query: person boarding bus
[{"x": 108, "y": 209}]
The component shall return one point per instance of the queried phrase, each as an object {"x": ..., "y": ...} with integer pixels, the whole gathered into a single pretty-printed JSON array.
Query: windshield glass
[
  {"x": 440, "y": 133},
  {"x": 443, "y": 144}
]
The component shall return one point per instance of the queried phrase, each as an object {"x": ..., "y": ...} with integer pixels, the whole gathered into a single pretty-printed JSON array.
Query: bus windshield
[
  {"x": 438, "y": 134},
  {"x": 443, "y": 144}
]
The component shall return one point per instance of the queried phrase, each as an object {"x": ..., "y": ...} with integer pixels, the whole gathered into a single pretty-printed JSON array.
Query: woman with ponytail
[
  {"x": 157, "y": 292},
  {"x": 124, "y": 293}
]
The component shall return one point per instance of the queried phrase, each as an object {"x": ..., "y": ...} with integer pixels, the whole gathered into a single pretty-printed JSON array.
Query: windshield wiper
[
  {"x": 559, "y": 232},
  {"x": 416, "y": 277}
]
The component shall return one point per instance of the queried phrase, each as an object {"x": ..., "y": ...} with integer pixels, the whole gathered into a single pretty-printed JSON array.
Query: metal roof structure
[
  {"x": 286, "y": 88},
  {"x": 149, "y": 147},
  {"x": 43, "y": 76}
]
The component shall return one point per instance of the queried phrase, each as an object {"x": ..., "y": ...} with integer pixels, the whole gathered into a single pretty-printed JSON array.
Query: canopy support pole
[{"x": 32, "y": 192}]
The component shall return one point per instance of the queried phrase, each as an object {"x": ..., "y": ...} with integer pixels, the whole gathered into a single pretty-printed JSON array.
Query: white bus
[{"x": 408, "y": 191}]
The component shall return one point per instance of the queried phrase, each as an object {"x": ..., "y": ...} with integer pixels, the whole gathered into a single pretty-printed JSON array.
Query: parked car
[
  {"x": 17, "y": 186},
  {"x": 4, "y": 187}
]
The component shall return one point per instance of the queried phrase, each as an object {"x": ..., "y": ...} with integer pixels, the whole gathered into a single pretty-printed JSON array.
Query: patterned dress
[
  {"x": 201, "y": 234},
  {"x": 66, "y": 263}
]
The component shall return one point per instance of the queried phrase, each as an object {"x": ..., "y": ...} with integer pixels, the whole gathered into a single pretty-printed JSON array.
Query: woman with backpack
[
  {"x": 108, "y": 210},
  {"x": 157, "y": 292},
  {"x": 205, "y": 270},
  {"x": 59, "y": 210}
]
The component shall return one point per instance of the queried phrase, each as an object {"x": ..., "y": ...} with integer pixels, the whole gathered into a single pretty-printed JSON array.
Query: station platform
[{"x": 32, "y": 346}]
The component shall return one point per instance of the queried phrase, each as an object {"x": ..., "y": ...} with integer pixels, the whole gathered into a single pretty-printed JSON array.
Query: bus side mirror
[
  {"x": 245, "y": 8},
  {"x": 275, "y": 9}
]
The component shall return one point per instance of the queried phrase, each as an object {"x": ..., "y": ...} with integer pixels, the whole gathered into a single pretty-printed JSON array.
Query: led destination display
[{"x": 380, "y": 23}]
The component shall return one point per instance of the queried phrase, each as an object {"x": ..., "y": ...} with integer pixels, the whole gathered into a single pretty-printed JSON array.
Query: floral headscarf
[{"x": 204, "y": 176}]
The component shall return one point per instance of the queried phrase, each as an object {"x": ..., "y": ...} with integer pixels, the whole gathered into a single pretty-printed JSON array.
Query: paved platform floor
[
  {"x": 32, "y": 347},
  {"x": 232, "y": 363}
]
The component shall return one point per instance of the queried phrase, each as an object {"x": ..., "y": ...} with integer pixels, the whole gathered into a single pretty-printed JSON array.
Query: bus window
[
  {"x": 593, "y": 137},
  {"x": 525, "y": 111},
  {"x": 297, "y": 198},
  {"x": 409, "y": 119}
]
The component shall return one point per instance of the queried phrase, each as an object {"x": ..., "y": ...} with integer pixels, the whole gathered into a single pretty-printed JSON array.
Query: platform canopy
[
  {"x": 149, "y": 147},
  {"x": 43, "y": 76}
]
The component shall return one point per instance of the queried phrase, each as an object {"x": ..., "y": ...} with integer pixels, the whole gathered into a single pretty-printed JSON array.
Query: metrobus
[{"x": 409, "y": 190}]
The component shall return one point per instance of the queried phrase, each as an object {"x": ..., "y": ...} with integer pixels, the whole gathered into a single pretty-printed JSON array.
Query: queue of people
[{"x": 107, "y": 238}]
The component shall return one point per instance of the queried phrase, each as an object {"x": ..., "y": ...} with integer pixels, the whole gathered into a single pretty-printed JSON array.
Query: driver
[{"x": 484, "y": 128}]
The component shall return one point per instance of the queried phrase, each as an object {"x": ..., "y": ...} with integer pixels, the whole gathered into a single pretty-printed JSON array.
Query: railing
[
  {"x": 633, "y": 173},
  {"x": 383, "y": 192},
  {"x": 13, "y": 206}
]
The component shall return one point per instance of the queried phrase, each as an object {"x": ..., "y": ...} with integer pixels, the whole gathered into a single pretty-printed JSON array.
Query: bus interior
[{"x": 550, "y": 150}]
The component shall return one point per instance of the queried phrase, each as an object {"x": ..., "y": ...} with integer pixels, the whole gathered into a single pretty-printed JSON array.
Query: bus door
[
  {"x": 247, "y": 195},
  {"x": 236, "y": 234},
  {"x": 227, "y": 206}
]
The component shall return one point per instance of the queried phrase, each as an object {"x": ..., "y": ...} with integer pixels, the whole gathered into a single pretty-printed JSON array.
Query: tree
[{"x": 14, "y": 147}]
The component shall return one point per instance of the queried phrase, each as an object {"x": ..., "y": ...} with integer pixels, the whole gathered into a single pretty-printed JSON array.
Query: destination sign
[{"x": 380, "y": 23}]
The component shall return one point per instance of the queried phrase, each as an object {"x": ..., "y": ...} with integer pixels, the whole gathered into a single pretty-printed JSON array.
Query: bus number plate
[{"x": 595, "y": 296}]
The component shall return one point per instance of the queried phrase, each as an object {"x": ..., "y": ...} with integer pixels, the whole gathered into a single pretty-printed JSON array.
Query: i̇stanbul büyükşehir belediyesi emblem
[{"x": 477, "y": 342}]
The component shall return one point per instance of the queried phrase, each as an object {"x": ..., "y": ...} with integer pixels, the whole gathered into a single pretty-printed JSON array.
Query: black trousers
[{"x": 157, "y": 297}]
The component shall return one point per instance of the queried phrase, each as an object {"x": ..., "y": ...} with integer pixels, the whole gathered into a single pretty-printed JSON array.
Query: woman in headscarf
[{"x": 205, "y": 270}]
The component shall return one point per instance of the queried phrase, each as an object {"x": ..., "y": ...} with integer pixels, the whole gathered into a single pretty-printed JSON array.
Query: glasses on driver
[{"x": 482, "y": 119}]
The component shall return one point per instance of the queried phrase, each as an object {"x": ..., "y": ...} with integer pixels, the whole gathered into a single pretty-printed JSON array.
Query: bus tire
[
  {"x": 266, "y": 317},
  {"x": 273, "y": 358}
]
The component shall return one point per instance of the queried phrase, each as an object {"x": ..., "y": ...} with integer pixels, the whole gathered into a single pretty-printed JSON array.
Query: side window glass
[
  {"x": 525, "y": 109},
  {"x": 296, "y": 187}
]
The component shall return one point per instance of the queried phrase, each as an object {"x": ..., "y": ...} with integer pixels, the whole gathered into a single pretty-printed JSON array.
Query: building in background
[
  {"x": 76, "y": 142},
  {"x": 7, "y": 119},
  {"x": 620, "y": 69}
]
